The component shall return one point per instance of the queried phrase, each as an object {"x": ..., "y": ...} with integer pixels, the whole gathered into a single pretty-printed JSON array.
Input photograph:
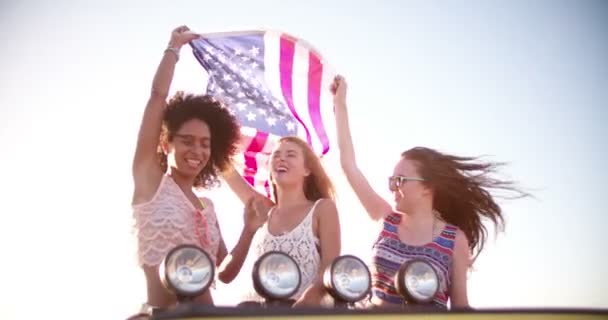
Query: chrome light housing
[
  {"x": 347, "y": 279},
  {"x": 417, "y": 281},
  {"x": 276, "y": 276},
  {"x": 187, "y": 271}
]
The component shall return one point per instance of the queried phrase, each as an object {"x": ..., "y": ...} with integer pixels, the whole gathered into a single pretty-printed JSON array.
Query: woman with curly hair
[
  {"x": 440, "y": 203},
  {"x": 198, "y": 137}
]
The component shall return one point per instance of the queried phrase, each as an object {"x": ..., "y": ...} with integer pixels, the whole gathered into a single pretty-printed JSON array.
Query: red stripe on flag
[
  {"x": 287, "y": 49},
  {"x": 315, "y": 72},
  {"x": 251, "y": 165}
]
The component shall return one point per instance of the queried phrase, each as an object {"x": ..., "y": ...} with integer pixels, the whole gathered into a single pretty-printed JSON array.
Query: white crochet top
[{"x": 300, "y": 243}]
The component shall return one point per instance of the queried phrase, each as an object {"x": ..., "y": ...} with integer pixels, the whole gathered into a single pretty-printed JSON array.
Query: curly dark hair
[
  {"x": 461, "y": 191},
  {"x": 223, "y": 126}
]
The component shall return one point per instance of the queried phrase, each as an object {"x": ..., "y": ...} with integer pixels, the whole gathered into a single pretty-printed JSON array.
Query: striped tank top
[{"x": 389, "y": 253}]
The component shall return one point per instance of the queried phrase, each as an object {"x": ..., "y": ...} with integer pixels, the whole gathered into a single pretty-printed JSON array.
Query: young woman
[
  {"x": 304, "y": 222},
  {"x": 440, "y": 201},
  {"x": 198, "y": 137}
]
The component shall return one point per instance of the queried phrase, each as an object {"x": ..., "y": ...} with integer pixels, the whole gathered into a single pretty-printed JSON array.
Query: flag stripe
[
  {"x": 315, "y": 70},
  {"x": 300, "y": 92},
  {"x": 286, "y": 70},
  {"x": 251, "y": 164}
]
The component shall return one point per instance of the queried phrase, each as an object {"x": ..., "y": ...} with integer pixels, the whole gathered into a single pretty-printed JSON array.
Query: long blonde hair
[{"x": 317, "y": 184}]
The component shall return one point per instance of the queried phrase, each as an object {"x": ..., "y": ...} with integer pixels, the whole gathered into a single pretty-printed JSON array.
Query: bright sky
[{"x": 524, "y": 82}]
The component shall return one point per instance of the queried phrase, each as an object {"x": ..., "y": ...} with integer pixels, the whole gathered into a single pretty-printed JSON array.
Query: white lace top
[
  {"x": 300, "y": 243},
  {"x": 168, "y": 220}
]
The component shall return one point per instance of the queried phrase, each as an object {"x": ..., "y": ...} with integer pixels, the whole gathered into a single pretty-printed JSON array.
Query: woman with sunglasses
[{"x": 440, "y": 201}]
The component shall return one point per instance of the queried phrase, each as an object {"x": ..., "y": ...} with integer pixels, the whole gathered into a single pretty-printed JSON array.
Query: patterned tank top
[{"x": 389, "y": 253}]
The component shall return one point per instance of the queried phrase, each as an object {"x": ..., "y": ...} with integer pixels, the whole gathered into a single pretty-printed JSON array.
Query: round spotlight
[
  {"x": 347, "y": 279},
  {"x": 187, "y": 271},
  {"x": 276, "y": 275},
  {"x": 417, "y": 281}
]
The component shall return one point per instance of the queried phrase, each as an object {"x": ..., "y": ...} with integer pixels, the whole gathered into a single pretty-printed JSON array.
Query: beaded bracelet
[{"x": 175, "y": 51}]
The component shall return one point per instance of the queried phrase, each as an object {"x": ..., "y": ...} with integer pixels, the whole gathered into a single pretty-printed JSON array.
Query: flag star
[
  {"x": 227, "y": 77},
  {"x": 262, "y": 112},
  {"x": 241, "y": 106},
  {"x": 222, "y": 58},
  {"x": 240, "y": 95},
  {"x": 237, "y": 51},
  {"x": 251, "y": 116},
  {"x": 291, "y": 126},
  {"x": 255, "y": 51},
  {"x": 206, "y": 57},
  {"x": 271, "y": 121},
  {"x": 254, "y": 65}
]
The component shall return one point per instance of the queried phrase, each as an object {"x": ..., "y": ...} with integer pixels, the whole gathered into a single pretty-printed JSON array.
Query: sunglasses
[{"x": 395, "y": 182}]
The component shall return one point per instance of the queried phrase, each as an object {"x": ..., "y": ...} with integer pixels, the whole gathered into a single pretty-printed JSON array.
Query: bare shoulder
[
  {"x": 461, "y": 239},
  {"x": 325, "y": 204},
  {"x": 461, "y": 245},
  {"x": 325, "y": 218},
  {"x": 325, "y": 210}
]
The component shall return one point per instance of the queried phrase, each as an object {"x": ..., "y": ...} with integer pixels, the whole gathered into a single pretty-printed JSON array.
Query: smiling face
[
  {"x": 288, "y": 164},
  {"x": 406, "y": 185},
  {"x": 189, "y": 150}
]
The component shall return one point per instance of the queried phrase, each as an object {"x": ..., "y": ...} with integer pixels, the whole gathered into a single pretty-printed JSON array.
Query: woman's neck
[
  {"x": 184, "y": 182},
  {"x": 289, "y": 197},
  {"x": 420, "y": 216}
]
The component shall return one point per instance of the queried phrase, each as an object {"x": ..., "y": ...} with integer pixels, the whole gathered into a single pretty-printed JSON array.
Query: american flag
[{"x": 275, "y": 84}]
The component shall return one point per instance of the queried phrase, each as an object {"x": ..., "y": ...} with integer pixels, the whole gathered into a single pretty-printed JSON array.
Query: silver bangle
[{"x": 174, "y": 50}]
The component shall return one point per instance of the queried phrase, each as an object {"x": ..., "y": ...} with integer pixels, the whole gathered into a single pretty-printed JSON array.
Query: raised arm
[
  {"x": 245, "y": 191},
  {"x": 238, "y": 185},
  {"x": 145, "y": 166},
  {"x": 375, "y": 206}
]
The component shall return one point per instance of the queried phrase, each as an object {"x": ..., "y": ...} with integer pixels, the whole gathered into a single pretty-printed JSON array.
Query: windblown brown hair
[{"x": 462, "y": 191}]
